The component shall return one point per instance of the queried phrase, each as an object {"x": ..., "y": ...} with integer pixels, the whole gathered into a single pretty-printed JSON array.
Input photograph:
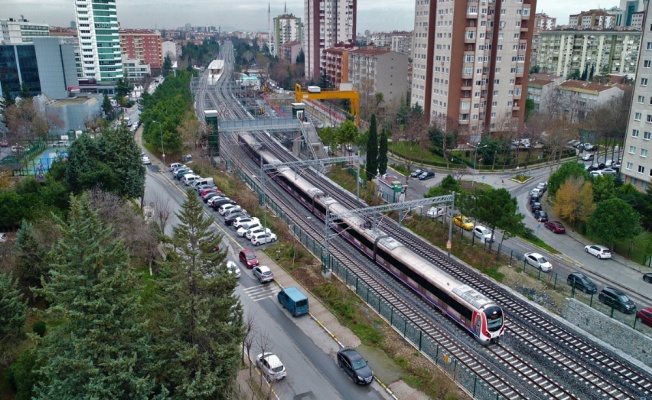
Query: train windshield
[{"x": 494, "y": 318}]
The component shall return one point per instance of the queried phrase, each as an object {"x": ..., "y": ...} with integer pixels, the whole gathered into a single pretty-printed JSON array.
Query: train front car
[{"x": 488, "y": 318}]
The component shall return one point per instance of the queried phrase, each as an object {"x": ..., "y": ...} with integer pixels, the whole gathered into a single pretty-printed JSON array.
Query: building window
[
  {"x": 641, "y": 169},
  {"x": 641, "y": 99},
  {"x": 647, "y": 63},
  {"x": 643, "y": 152},
  {"x": 646, "y": 135},
  {"x": 629, "y": 166},
  {"x": 632, "y": 149},
  {"x": 649, "y": 45},
  {"x": 649, "y": 118},
  {"x": 634, "y": 132},
  {"x": 637, "y": 116},
  {"x": 643, "y": 81}
]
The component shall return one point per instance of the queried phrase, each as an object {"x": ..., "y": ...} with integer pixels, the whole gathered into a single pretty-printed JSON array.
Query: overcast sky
[{"x": 249, "y": 15}]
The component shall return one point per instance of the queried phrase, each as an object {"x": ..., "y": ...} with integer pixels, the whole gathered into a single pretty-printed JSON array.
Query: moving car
[
  {"x": 482, "y": 233},
  {"x": 232, "y": 268},
  {"x": 581, "y": 282},
  {"x": 294, "y": 301},
  {"x": 555, "y": 226},
  {"x": 617, "y": 299},
  {"x": 647, "y": 277},
  {"x": 355, "y": 366},
  {"x": 587, "y": 157},
  {"x": 598, "y": 251},
  {"x": 263, "y": 274},
  {"x": 146, "y": 160},
  {"x": 248, "y": 258},
  {"x": 538, "y": 261},
  {"x": 426, "y": 175},
  {"x": 463, "y": 222},
  {"x": 644, "y": 315},
  {"x": 271, "y": 366}
]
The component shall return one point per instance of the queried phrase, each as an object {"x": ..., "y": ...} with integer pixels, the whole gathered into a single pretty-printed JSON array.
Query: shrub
[{"x": 39, "y": 328}]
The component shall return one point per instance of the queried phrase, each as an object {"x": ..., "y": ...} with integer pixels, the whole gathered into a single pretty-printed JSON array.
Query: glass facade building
[{"x": 18, "y": 66}]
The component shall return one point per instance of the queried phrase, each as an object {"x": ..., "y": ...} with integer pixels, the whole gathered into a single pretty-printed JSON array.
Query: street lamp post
[
  {"x": 160, "y": 127},
  {"x": 475, "y": 158}
]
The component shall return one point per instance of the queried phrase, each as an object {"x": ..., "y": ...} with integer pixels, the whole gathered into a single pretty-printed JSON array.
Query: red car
[
  {"x": 555, "y": 226},
  {"x": 248, "y": 258},
  {"x": 644, "y": 315}
]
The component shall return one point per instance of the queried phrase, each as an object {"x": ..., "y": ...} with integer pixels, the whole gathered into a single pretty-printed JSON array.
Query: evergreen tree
[
  {"x": 99, "y": 347},
  {"x": 13, "y": 311},
  {"x": 167, "y": 66},
  {"x": 30, "y": 256},
  {"x": 25, "y": 92},
  {"x": 372, "y": 150},
  {"x": 202, "y": 328},
  {"x": 122, "y": 155},
  {"x": 382, "y": 151},
  {"x": 107, "y": 107},
  {"x": 85, "y": 168}
]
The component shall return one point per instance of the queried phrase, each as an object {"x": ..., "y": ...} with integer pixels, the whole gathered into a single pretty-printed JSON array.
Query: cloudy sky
[{"x": 374, "y": 15}]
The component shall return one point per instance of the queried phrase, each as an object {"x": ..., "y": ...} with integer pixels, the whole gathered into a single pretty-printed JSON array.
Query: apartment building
[
  {"x": 143, "y": 45},
  {"x": 540, "y": 87},
  {"x": 335, "y": 64},
  {"x": 326, "y": 23},
  {"x": 20, "y": 30},
  {"x": 564, "y": 51},
  {"x": 287, "y": 28},
  {"x": 290, "y": 51},
  {"x": 373, "y": 71},
  {"x": 470, "y": 63},
  {"x": 637, "y": 165},
  {"x": 99, "y": 39},
  {"x": 592, "y": 19},
  {"x": 542, "y": 22},
  {"x": 574, "y": 99}
]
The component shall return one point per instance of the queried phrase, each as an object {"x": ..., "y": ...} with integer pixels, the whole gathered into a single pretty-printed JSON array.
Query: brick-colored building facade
[{"x": 143, "y": 45}]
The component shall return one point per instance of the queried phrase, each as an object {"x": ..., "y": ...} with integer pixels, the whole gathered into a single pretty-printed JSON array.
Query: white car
[
  {"x": 175, "y": 165},
  {"x": 482, "y": 233},
  {"x": 146, "y": 160},
  {"x": 538, "y": 261},
  {"x": 598, "y": 251},
  {"x": 3, "y": 237},
  {"x": 254, "y": 231},
  {"x": 263, "y": 238},
  {"x": 231, "y": 210},
  {"x": 225, "y": 207},
  {"x": 232, "y": 268},
  {"x": 436, "y": 212},
  {"x": 216, "y": 198},
  {"x": 271, "y": 366},
  {"x": 243, "y": 220}
]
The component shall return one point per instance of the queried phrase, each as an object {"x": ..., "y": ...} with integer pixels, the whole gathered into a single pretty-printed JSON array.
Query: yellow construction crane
[{"x": 316, "y": 93}]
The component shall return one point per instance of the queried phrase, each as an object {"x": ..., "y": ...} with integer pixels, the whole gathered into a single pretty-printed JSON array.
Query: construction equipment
[{"x": 351, "y": 95}]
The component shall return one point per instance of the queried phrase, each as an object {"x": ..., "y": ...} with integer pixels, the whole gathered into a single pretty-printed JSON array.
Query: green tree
[
  {"x": 612, "y": 220},
  {"x": 123, "y": 87},
  {"x": 121, "y": 154},
  {"x": 13, "y": 311},
  {"x": 498, "y": 209},
  {"x": 85, "y": 168},
  {"x": 447, "y": 186},
  {"x": 107, "y": 107},
  {"x": 565, "y": 171},
  {"x": 603, "y": 188},
  {"x": 30, "y": 256},
  {"x": 167, "y": 65},
  {"x": 347, "y": 132},
  {"x": 328, "y": 136},
  {"x": 25, "y": 91},
  {"x": 99, "y": 347},
  {"x": 382, "y": 151},
  {"x": 372, "y": 150},
  {"x": 201, "y": 328}
]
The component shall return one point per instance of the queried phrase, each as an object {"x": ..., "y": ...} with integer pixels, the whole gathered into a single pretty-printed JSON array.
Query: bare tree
[
  {"x": 162, "y": 211},
  {"x": 249, "y": 338},
  {"x": 265, "y": 343},
  {"x": 25, "y": 121},
  {"x": 193, "y": 133}
]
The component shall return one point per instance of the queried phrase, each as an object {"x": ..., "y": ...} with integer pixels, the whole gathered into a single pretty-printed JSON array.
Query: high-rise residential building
[
  {"x": 565, "y": 51},
  {"x": 286, "y": 28},
  {"x": 398, "y": 41},
  {"x": 143, "y": 45},
  {"x": 543, "y": 22},
  {"x": 373, "y": 71},
  {"x": 593, "y": 19},
  {"x": 326, "y": 23},
  {"x": 470, "y": 63},
  {"x": 99, "y": 39},
  {"x": 636, "y": 166},
  {"x": 17, "y": 31}
]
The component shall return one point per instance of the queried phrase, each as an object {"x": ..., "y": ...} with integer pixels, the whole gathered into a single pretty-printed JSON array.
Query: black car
[
  {"x": 593, "y": 167},
  {"x": 647, "y": 277},
  {"x": 534, "y": 199},
  {"x": 536, "y": 206},
  {"x": 231, "y": 217},
  {"x": 426, "y": 175},
  {"x": 581, "y": 282},
  {"x": 355, "y": 366},
  {"x": 617, "y": 299},
  {"x": 541, "y": 216},
  {"x": 218, "y": 203}
]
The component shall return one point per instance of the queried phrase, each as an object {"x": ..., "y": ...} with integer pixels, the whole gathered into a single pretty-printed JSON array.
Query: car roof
[
  {"x": 246, "y": 251},
  {"x": 263, "y": 268},
  {"x": 537, "y": 255},
  {"x": 272, "y": 359},
  {"x": 351, "y": 353}
]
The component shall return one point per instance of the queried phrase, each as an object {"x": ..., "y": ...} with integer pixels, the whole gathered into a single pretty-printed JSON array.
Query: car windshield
[
  {"x": 278, "y": 369},
  {"x": 267, "y": 273},
  {"x": 250, "y": 256},
  {"x": 542, "y": 260},
  {"x": 359, "y": 363},
  {"x": 623, "y": 298}
]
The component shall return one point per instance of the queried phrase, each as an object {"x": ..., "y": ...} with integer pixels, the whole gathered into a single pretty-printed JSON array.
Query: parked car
[
  {"x": 595, "y": 174},
  {"x": 175, "y": 165},
  {"x": 232, "y": 268},
  {"x": 244, "y": 219},
  {"x": 615, "y": 298},
  {"x": 248, "y": 258},
  {"x": 355, "y": 366},
  {"x": 263, "y": 238},
  {"x": 589, "y": 147},
  {"x": 587, "y": 157},
  {"x": 598, "y": 251},
  {"x": 271, "y": 366},
  {"x": 225, "y": 207},
  {"x": 538, "y": 261},
  {"x": 534, "y": 199},
  {"x": 644, "y": 315},
  {"x": 541, "y": 216},
  {"x": 542, "y": 186},
  {"x": 463, "y": 222},
  {"x": 593, "y": 167},
  {"x": 230, "y": 219},
  {"x": 581, "y": 282},
  {"x": 263, "y": 274},
  {"x": 536, "y": 206},
  {"x": 208, "y": 195},
  {"x": 426, "y": 175},
  {"x": 4, "y": 143},
  {"x": 232, "y": 210},
  {"x": 217, "y": 203},
  {"x": 246, "y": 227},
  {"x": 555, "y": 226},
  {"x": 255, "y": 230},
  {"x": 60, "y": 143},
  {"x": 536, "y": 192},
  {"x": 609, "y": 171},
  {"x": 647, "y": 277},
  {"x": 483, "y": 233},
  {"x": 436, "y": 212},
  {"x": 416, "y": 173}
]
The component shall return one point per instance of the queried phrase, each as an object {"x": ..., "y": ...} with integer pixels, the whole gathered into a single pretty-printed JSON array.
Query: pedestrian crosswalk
[{"x": 261, "y": 292}]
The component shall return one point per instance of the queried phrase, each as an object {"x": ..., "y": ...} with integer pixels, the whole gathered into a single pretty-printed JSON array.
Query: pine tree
[
  {"x": 98, "y": 347},
  {"x": 382, "y": 151},
  {"x": 13, "y": 310},
  {"x": 372, "y": 150},
  {"x": 30, "y": 256},
  {"x": 121, "y": 154},
  {"x": 202, "y": 331},
  {"x": 107, "y": 107}
]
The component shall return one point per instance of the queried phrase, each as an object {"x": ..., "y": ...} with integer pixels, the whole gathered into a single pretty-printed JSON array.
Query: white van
[
  {"x": 203, "y": 181},
  {"x": 188, "y": 175}
]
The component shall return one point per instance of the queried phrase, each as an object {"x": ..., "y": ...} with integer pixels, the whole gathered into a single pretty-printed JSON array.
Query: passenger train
[{"x": 483, "y": 318}]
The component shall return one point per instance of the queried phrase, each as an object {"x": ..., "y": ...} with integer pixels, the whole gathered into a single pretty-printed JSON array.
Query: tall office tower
[
  {"x": 636, "y": 166},
  {"x": 470, "y": 63},
  {"x": 99, "y": 40},
  {"x": 326, "y": 24},
  {"x": 631, "y": 7}
]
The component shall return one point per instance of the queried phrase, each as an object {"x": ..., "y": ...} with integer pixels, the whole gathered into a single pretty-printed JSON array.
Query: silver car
[{"x": 538, "y": 261}]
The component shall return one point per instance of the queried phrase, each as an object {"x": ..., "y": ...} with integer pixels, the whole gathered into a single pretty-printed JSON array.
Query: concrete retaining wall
[{"x": 609, "y": 330}]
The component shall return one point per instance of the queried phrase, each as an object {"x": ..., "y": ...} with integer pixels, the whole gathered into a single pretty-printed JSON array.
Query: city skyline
[{"x": 375, "y": 16}]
